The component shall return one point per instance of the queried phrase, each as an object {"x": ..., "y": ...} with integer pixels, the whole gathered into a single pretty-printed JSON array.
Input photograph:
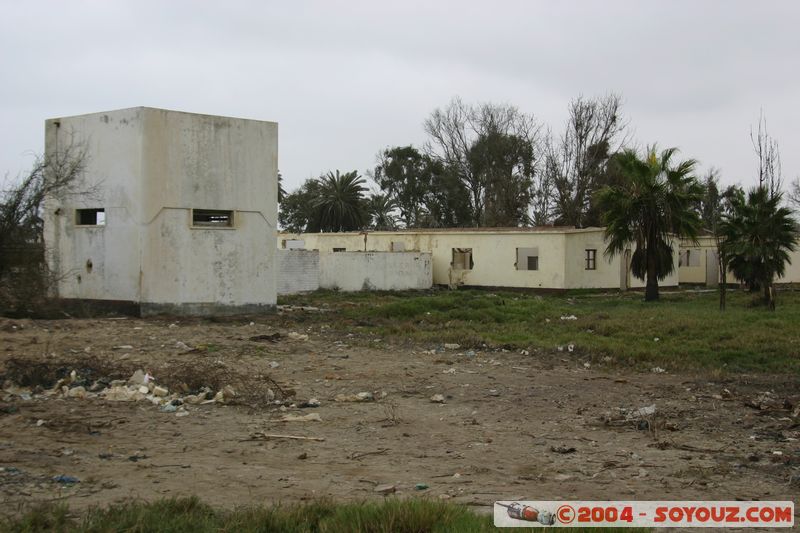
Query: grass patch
[
  {"x": 191, "y": 515},
  {"x": 683, "y": 330}
]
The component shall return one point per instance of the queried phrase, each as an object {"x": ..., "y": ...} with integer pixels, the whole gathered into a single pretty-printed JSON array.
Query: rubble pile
[{"x": 140, "y": 387}]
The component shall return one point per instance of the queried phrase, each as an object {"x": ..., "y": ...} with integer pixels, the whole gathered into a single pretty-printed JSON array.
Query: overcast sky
[{"x": 346, "y": 79}]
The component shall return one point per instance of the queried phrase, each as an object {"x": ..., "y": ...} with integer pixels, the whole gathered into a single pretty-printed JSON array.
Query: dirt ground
[{"x": 511, "y": 426}]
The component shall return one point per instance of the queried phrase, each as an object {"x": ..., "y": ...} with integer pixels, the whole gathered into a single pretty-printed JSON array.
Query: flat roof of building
[{"x": 534, "y": 229}]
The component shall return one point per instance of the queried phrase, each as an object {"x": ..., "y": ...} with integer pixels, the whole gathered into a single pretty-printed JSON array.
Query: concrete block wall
[
  {"x": 382, "y": 271},
  {"x": 297, "y": 270}
]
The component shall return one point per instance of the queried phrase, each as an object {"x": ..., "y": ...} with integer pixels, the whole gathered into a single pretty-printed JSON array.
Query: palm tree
[
  {"x": 758, "y": 236},
  {"x": 281, "y": 190},
  {"x": 381, "y": 208},
  {"x": 651, "y": 206},
  {"x": 341, "y": 205}
]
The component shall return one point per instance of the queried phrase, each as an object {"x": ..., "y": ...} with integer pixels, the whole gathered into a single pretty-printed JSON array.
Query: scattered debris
[
  {"x": 272, "y": 337},
  {"x": 311, "y": 402},
  {"x": 569, "y": 317},
  {"x": 359, "y": 455},
  {"x": 623, "y": 416},
  {"x": 310, "y": 417},
  {"x": 421, "y": 486},
  {"x": 297, "y": 336},
  {"x": 267, "y": 436},
  {"x": 657, "y": 370},
  {"x": 437, "y": 398},
  {"x": 449, "y": 346},
  {"x": 562, "y": 449},
  {"x": 385, "y": 489},
  {"x": 767, "y": 401},
  {"x": 360, "y": 397},
  {"x": 65, "y": 480}
]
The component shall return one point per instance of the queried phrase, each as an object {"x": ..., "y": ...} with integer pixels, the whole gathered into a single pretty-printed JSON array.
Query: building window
[
  {"x": 90, "y": 217},
  {"x": 689, "y": 258},
  {"x": 212, "y": 218},
  {"x": 398, "y": 246},
  {"x": 462, "y": 259},
  {"x": 527, "y": 259},
  {"x": 340, "y": 249},
  {"x": 591, "y": 259},
  {"x": 294, "y": 244}
]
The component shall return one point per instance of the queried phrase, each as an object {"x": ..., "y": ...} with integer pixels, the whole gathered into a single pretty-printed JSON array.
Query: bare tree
[
  {"x": 769, "y": 157},
  {"x": 24, "y": 279},
  {"x": 575, "y": 163},
  {"x": 794, "y": 193},
  {"x": 456, "y": 129}
]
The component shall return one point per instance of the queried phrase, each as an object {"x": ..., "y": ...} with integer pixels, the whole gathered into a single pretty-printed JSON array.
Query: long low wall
[
  {"x": 297, "y": 271},
  {"x": 309, "y": 270},
  {"x": 379, "y": 271}
]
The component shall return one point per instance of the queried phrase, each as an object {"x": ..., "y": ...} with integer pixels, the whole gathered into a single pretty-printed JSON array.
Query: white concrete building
[{"x": 180, "y": 213}]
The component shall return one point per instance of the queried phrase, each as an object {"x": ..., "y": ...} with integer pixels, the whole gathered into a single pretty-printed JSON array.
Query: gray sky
[{"x": 346, "y": 79}]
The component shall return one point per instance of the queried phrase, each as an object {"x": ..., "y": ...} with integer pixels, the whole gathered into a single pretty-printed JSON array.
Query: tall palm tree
[
  {"x": 651, "y": 206},
  {"x": 341, "y": 205},
  {"x": 381, "y": 210},
  {"x": 281, "y": 190},
  {"x": 758, "y": 236}
]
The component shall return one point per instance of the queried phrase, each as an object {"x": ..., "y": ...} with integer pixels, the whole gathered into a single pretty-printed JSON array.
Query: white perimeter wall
[
  {"x": 382, "y": 271},
  {"x": 297, "y": 271}
]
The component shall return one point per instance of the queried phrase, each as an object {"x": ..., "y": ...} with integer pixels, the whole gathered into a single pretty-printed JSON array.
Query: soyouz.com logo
[{"x": 644, "y": 514}]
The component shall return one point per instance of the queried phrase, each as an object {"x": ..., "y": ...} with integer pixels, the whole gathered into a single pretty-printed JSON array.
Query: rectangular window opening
[
  {"x": 90, "y": 217},
  {"x": 462, "y": 259},
  {"x": 340, "y": 249},
  {"x": 212, "y": 218},
  {"x": 527, "y": 259},
  {"x": 591, "y": 259},
  {"x": 294, "y": 244},
  {"x": 689, "y": 258}
]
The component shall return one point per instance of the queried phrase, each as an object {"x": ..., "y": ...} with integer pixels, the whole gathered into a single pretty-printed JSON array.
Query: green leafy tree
[
  {"x": 447, "y": 203},
  {"x": 652, "y": 206},
  {"x": 505, "y": 164},
  {"x": 341, "y": 205},
  {"x": 455, "y": 130},
  {"x": 298, "y": 213},
  {"x": 758, "y": 236},
  {"x": 405, "y": 175},
  {"x": 713, "y": 207}
]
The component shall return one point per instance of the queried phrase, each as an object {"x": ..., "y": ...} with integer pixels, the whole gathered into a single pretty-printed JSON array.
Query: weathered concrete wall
[
  {"x": 150, "y": 168},
  {"x": 112, "y": 180},
  {"x": 297, "y": 271},
  {"x": 383, "y": 271},
  {"x": 792, "y": 274}
]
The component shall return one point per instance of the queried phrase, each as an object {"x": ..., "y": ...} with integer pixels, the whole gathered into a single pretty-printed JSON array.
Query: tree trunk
[
  {"x": 723, "y": 286},
  {"x": 651, "y": 289},
  {"x": 769, "y": 296}
]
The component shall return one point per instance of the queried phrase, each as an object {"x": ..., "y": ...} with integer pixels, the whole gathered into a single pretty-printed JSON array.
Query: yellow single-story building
[
  {"x": 530, "y": 258},
  {"x": 698, "y": 264}
]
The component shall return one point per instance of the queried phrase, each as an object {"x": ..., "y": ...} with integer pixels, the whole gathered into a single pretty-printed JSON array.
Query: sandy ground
[{"x": 512, "y": 425}]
